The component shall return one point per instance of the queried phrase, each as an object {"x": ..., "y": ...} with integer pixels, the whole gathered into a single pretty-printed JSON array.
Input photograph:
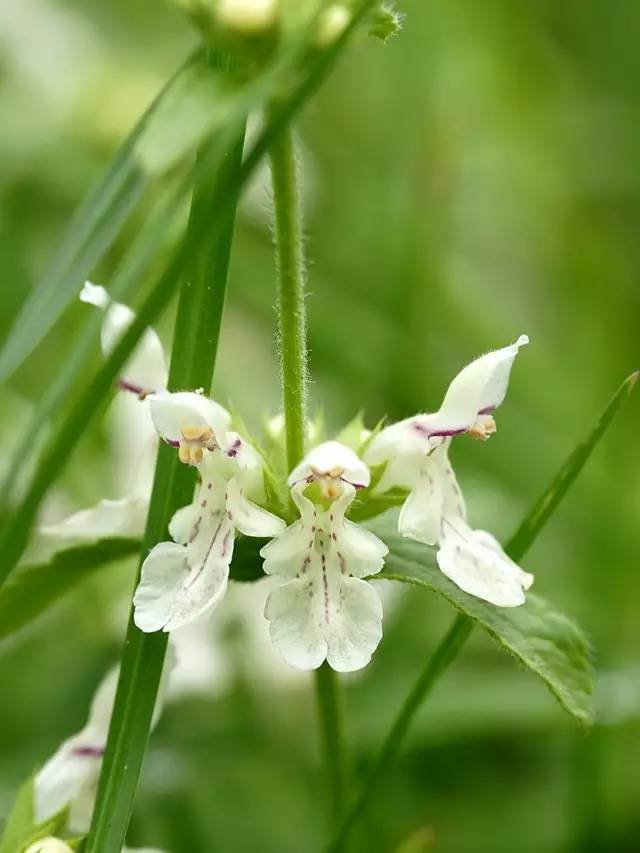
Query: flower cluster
[{"x": 325, "y": 608}]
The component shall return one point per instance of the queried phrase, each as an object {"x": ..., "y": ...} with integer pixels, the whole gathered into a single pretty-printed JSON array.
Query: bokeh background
[{"x": 475, "y": 178}]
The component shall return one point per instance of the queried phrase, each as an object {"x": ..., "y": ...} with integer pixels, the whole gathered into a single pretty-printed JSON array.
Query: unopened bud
[
  {"x": 332, "y": 24},
  {"x": 247, "y": 16}
]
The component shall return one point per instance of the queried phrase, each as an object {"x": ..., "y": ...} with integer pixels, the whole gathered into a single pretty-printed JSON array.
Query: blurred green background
[{"x": 476, "y": 178}]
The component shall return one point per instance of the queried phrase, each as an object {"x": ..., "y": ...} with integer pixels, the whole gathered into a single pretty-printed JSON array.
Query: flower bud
[
  {"x": 332, "y": 24},
  {"x": 247, "y": 16}
]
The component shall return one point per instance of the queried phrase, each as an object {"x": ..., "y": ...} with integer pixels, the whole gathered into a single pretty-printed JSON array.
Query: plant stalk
[
  {"x": 292, "y": 341},
  {"x": 192, "y": 362}
]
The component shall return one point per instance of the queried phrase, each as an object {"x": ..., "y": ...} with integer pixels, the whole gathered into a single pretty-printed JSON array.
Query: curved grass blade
[{"x": 90, "y": 233}]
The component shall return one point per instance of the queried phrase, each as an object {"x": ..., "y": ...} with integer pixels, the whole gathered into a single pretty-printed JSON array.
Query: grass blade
[{"x": 546, "y": 504}]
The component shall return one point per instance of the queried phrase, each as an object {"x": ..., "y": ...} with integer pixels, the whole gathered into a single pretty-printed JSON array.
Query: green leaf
[
  {"x": 35, "y": 588},
  {"x": 546, "y": 642},
  {"x": 19, "y": 824},
  {"x": 553, "y": 494}
]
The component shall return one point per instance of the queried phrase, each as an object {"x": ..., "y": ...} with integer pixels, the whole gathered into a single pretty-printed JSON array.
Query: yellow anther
[
  {"x": 196, "y": 455},
  {"x": 483, "y": 428},
  {"x": 197, "y": 432},
  {"x": 184, "y": 454}
]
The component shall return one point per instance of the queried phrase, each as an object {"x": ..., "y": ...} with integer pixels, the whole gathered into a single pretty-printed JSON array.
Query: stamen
[{"x": 483, "y": 428}]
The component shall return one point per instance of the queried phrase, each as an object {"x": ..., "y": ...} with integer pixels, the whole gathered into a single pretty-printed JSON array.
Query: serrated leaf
[
  {"x": 543, "y": 640},
  {"x": 19, "y": 823}
]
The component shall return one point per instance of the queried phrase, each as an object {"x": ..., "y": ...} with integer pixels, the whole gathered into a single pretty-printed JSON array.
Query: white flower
[
  {"x": 415, "y": 452},
  {"x": 184, "y": 579},
  {"x": 325, "y": 609},
  {"x": 70, "y": 777},
  {"x": 144, "y": 372}
]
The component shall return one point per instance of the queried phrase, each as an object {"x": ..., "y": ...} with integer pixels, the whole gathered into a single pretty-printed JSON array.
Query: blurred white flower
[
  {"x": 70, "y": 777},
  {"x": 415, "y": 453},
  {"x": 183, "y": 579},
  {"x": 144, "y": 372},
  {"x": 325, "y": 610}
]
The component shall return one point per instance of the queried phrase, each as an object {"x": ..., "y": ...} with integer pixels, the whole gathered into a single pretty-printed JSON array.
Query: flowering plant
[{"x": 317, "y": 521}]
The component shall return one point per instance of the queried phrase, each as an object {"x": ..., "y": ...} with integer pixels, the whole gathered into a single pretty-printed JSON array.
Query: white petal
[
  {"x": 171, "y": 412},
  {"x": 179, "y": 583},
  {"x": 284, "y": 554},
  {"x": 296, "y": 626},
  {"x": 398, "y": 440},
  {"x": 247, "y": 517},
  {"x": 182, "y": 524},
  {"x": 363, "y": 553},
  {"x": 486, "y": 538},
  {"x": 68, "y": 777},
  {"x": 330, "y": 456},
  {"x": 421, "y": 514},
  {"x": 480, "y": 387},
  {"x": 355, "y": 626},
  {"x": 49, "y": 844},
  {"x": 108, "y": 518},
  {"x": 94, "y": 294},
  {"x": 479, "y": 569},
  {"x": 145, "y": 370}
]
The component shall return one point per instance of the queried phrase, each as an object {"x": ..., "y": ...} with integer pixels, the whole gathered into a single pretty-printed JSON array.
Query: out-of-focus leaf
[
  {"x": 553, "y": 494},
  {"x": 19, "y": 823},
  {"x": 546, "y": 642},
  {"x": 90, "y": 233},
  {"x": 35, "y": 588},
  {"x": 55, "y": 826}
]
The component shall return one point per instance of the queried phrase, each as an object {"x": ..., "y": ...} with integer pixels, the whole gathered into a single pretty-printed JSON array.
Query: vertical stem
[
  {"x": 292, "y": 324},
  {"x": 192, "y": 362},
  {"x": 328, "y": 700},
  {"x": 292, "y": 334},
  {"x": 449, "y": 647}
]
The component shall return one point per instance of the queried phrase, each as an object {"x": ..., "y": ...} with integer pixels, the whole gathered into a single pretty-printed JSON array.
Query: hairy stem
[
  {"x": 292, "y": 339},
  {"x": 292, "y": 324},
  {"x": 192, "y": 362}
]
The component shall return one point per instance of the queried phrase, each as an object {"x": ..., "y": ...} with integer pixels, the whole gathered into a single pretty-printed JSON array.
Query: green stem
[
  {"x": 193, "y": 357},
  {"x": 445, "y": 653},
  {"x": 292, "y": 324},
  {"x": 328, "y": 700},
  {"x": 292, "y": 332}
]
